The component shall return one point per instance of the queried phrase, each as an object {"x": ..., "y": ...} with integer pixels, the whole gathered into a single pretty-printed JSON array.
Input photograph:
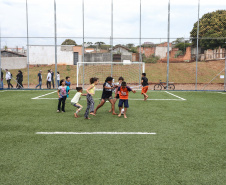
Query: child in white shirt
[{"x": 76, "y": 99}]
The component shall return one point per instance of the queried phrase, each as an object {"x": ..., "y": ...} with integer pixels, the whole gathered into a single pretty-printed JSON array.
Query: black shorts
[
  {"x": 106, "y": 96},
  {"x": 117, "y": 97}
]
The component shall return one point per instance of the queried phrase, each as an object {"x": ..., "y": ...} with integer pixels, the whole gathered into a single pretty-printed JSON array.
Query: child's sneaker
[
  {"x": 58, "y": 111},
  {"x": 63, "y": 111}
]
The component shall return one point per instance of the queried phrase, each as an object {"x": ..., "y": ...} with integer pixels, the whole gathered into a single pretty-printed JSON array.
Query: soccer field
[{"x": 173, "y": 138}]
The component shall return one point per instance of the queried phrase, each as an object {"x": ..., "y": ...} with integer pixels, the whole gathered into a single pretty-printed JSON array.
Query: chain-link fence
[{"x": 182, "y": 42}]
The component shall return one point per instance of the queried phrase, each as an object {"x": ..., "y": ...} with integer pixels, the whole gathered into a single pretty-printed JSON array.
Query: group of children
[{"x": 121, "y": 92}]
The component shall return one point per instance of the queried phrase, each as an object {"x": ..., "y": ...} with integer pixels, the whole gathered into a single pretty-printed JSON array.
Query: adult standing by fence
[
  {"x": 39, "y": 79},
  {"x": 19, "y": 78},
  {"x": 58, "y": 79},
  {"x": 1, "y": 79},
  {"x": 49, "y": 79},
  {"x": 52, "y": 77},
  {"x": 8, "y": 78}
]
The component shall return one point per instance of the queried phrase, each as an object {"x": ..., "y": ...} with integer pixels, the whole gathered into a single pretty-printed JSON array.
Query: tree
[
  {"x": 133, "y": 50},
  {"x": 69, "y": 42},
  {"x": 99, "y": 44},
  {"x": 212, "y": 26},
  {"x": 130, "y": 45}
]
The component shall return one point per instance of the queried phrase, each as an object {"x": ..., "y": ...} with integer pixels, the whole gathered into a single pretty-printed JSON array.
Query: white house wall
[
  {"x": 46, "y": 55},
  {"x": 161, "y": 51}
]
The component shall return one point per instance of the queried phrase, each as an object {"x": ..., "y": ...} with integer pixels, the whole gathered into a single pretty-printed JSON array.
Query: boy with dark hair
[
  {"x": 144, "y": 82},
  {"x": 107, "y": 95},
  {"x": 123, "y": 98},
  {"x": 67, "y": 82},
  {"x": 118, "y": 84}
]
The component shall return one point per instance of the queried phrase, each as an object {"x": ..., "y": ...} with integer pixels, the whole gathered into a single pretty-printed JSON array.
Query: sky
[{"x": 97, "y": 20}]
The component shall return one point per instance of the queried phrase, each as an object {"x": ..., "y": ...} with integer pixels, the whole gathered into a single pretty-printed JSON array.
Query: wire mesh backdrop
[{"x": 181, "y": 43}]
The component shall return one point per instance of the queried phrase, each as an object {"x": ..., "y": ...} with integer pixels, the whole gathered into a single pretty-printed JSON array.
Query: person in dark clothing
[
  {"x": 107, "y": 95},
  {"x": 39, "y": 79},
  {"x": 1, "y": 86},
  {"x": 52, "y": 77},
  {"x": 144, "y": 82},
  {"x": 19, "y": 78}
]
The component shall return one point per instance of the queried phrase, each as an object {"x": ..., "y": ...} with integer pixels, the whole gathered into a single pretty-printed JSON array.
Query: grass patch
[{"x": 188, "y": 148}]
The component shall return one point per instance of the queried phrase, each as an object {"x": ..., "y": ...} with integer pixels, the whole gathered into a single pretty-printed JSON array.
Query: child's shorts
[
  {"x": 106, "y": 97},
  {"x": 144, "y": 90},
  {"x": 74, "y": 104},
  {"x": 125, "y": 102}
]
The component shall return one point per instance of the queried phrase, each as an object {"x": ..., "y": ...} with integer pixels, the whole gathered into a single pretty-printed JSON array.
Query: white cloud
[{"x": 98, "y": 18}]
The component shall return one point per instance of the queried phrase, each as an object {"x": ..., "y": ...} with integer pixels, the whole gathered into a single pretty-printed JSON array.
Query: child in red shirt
[{"x": 123, "y": 98}]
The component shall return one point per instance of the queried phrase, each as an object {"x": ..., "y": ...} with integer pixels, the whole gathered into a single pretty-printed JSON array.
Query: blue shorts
[{"x": 125, "y": 102}]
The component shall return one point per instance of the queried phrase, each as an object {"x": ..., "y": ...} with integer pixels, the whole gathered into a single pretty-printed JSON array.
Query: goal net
[{"x": 130, "y": 71}]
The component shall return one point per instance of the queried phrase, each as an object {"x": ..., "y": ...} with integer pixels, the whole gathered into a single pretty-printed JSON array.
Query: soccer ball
[{"x": 122, "y": 111}]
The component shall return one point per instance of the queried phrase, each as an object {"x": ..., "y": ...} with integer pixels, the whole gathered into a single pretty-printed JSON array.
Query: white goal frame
[{"x": 142, "y": 65}]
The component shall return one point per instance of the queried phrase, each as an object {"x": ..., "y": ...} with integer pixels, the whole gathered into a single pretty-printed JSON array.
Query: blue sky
[{"x": 98, "y": 19}]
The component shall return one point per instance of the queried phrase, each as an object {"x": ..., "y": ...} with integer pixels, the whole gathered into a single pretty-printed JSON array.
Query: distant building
[
  {"x": 121, "y": 53},
  {"x": 7, "y": 53}
]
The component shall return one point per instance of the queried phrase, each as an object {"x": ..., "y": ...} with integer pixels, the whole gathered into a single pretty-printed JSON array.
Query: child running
[
  {"x": 62, "y": 94},
  {"x": 107, "y": 95},
  {"x": 90, "y": 102},
  {"x": 144, "y": 82},
  {"x": 75, "y": 100},
  {"x": 123, "y": 98},
  {"x": 118, "y": 84}
]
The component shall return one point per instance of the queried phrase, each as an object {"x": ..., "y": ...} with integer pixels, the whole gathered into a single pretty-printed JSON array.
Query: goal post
[{"x": 130, "y": 71}]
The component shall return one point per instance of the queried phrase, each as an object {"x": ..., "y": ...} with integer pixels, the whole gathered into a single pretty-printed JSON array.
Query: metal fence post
[
  {"x": 55, "y": 29},
  {"x": 1, "y": 56},
  {"x": 197, "y": 51},
  {"x": 111, "y": 37},
  {"x": 83, "y": 55},
  {"x": 27, "y": 46},
  {"x": 140, "y": 55},
  {"x": 167, "y": 80},
  {"x": 225, "y": 71}
]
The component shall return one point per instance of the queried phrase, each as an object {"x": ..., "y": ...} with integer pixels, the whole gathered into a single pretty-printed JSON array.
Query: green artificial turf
[{"x": 188, "y": 148}]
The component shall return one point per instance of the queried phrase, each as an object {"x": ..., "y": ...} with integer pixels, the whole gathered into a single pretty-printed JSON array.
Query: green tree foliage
[
  {"x": 182, "y": 46},
  {"x": 130, "y": 45},
  {"x": 133, "y": 50},
  {"x": 212, "y": 26},
  {"x": 69, "y": 42},
  {"x": 99, "y": 44}
]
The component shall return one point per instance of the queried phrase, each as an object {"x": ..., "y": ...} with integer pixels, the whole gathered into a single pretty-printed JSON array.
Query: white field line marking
[
  {"x": 98, "y": 133},
  {"x": 43, "y": 95},
  {"x": 175, "y": 96},
  {"x": 2, "y": 91},
  {"x": 221, "y": 93}
]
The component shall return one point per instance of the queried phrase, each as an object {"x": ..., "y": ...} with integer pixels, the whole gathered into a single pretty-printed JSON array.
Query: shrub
[{"x": 151, "y": 59}]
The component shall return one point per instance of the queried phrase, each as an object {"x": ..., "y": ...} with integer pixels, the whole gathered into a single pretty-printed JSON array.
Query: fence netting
[{"x": 184, "y": 42}]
